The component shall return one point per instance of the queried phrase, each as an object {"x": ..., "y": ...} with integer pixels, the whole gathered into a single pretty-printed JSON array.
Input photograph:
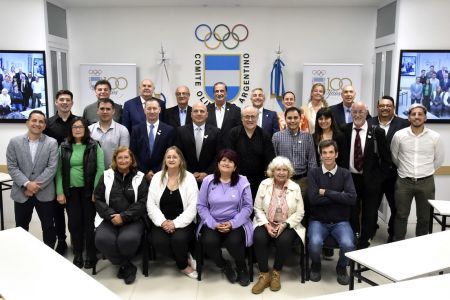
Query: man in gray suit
[{"x": 32, "y": 160}]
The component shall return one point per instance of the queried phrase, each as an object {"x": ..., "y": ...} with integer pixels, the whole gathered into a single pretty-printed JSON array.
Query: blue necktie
[
  {"x": 349, "y": 115},
  {"x": 151, "y": 138}
]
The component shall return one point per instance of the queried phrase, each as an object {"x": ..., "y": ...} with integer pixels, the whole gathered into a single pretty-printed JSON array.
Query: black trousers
[
  {"x": 24, "y": 211},
  {"x": 368, "y": 202},
  {"x": 119, "y": 244},
  {"x": 80, "y": 217},
  {"x": 174, "y": 245},
  {"x": 60, "y": 220},
  {"x": 283, "y": 246},
  {"x": 388, "y": 189},
  {"x": 234, "y": 242}
]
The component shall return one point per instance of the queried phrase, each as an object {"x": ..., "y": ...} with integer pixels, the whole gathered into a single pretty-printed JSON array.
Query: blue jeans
[{"x": 342, "y": 232}]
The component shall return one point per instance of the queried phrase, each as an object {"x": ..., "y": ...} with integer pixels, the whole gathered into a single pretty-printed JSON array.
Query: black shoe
[
  {"x": 78, "y": 261},
  {"x": 328, "y": 252},
  {"x": 242, "y": 277},
  {"x": 390, "y": 239},
  {"x": 61, "y": 247},
  {"x": 89, "y": 263},
  {"x": 229, "y": 272},
  {"x": 121, "y": 272},
  {"x": 362, "y": 244},
  {"x": 129, "y": 274},
  {"x": 342, "y": 276},
  {"x": 314, "y": 274}
]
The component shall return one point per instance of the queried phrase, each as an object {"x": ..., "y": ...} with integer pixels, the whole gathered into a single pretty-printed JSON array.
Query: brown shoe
[
  {"x": 275, "y": 284},
  {"x": 262, "y": 283}
]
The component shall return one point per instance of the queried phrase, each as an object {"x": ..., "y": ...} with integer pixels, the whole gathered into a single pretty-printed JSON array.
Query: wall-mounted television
[
  {"x": 423, "y": 77},
  {"x": 23, "y": 84}
]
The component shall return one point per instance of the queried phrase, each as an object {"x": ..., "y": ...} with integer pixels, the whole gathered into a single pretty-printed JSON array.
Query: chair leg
[
  {"x": 302, "y": 262},
  {"x": 145, "y": 255},
  {"x": 199, "y": 257},
  {"x": 250, "y": 262}
]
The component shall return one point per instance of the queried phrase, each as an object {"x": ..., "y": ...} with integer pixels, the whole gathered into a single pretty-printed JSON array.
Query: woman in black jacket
[{"x": 120, "y": 200}]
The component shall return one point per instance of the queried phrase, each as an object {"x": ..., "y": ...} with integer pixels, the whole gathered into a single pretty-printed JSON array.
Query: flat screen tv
[
  {"x": 23, "y": 84},
  {"x": 423, "y": 78}
]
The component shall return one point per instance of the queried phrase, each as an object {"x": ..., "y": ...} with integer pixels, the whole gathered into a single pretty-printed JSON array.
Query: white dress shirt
[
  {"x": 417, "y": 156},
  {"x": 220, "y": 113},
  {"x": 155, "y": 129}
]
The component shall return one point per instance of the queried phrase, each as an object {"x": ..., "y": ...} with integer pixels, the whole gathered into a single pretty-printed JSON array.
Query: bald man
[
  {"x": 180, "y": 114},
  {"x": 133, "y": 109}
]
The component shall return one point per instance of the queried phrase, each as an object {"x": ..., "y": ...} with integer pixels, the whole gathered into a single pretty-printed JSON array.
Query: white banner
[
  {"x": 333, "y": 77},
  {"x": 121, "y": 76}
]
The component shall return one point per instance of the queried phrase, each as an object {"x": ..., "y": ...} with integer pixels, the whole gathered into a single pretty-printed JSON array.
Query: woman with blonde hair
[
  {"x": 316, "y": 102},
  {"x": 278, "y": 212},
  {"x": 171, "y": 205}
]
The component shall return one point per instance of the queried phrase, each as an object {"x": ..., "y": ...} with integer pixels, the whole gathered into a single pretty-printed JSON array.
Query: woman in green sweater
[{"x": 80, "y": 166}]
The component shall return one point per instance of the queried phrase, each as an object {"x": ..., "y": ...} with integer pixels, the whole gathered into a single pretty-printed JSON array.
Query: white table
[
  {"x": 403, "y": 260},
  {"x": 422, "y": 288},
  {"x": 5, "y": 184},
  {"x": 443, "y": 211},
  {"x": 31, "y": 270}
]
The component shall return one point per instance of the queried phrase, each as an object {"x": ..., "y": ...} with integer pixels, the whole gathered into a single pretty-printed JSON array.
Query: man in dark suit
[
  {"x": 180, "y": 114},
  {"x": 369, "y": 162},
  {"x": 25, "y": 89},
  {"x": 267, "y": 119},
  {"x": 199, "y": 143},
  {"x": 387, "y": 120},
  {"x": 440, "y": 73},
  {"x": 222, "y": 114},
  {"x": 32, "y": 160},
  {"x": 444, "y": 83},
  {"x": 149, "y": 140},
  {"x": 133, "y": 109},
  {"x": 342, "y": 112}
]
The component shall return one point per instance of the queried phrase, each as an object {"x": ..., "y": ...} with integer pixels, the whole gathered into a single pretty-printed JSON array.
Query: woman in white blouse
[
  {"x": 316, "y": 102},
  {"x": 171, "y": 205}
]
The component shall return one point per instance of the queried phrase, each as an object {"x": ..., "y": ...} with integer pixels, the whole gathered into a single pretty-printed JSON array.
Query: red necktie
[{"x": 358, "y": 154}]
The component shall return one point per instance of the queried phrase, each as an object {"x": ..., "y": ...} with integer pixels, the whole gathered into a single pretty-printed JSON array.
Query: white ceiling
[{"x": 218, "y": 3}]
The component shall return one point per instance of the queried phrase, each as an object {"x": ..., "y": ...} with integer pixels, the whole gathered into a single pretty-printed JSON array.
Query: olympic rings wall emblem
[
  {"x": 95, "y": 72},
  {"x": 221, "y": 34},
  {"x": 319, "y": 72},
  {"x": 119, "y": 83}
]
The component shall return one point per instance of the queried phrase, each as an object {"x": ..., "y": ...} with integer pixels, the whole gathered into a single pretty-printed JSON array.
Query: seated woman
[
  {"x": 120, "y": 199},
  {"x": 171, "y": 206},
  {"x": 225, "y": 205},
  {"x": 278, "y": 213}
]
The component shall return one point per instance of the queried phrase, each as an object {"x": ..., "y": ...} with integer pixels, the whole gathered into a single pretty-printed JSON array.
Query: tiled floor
[{"x": 165, "y": 281}]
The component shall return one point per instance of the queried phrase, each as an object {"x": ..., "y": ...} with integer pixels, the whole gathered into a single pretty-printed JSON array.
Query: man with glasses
[
  {"x": 254, "y": 147},
  {"x": 134, "y": 109},
  {"x": 180, "y": 114},
  {"x": 388, "y": 121},
  {"x": 369, "y": 162}
]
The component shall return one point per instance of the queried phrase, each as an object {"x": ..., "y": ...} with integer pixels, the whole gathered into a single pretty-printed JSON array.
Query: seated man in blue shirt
[{"x": 331, "y": 194}]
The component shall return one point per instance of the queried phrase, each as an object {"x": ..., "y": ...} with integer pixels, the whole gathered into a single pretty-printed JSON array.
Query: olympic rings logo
[
  {"x": 320, "y": 73},
  {"x": 95, "y": 72},
  {"x": 119, "y": 83},
  {"x": 222, "y": 34}
]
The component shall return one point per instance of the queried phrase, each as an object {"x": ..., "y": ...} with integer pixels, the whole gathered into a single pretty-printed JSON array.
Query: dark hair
[
  {"x": 63, "y": 92},
  {"x": 288, "y": 92},
  {"x": 318, "y": 131},
  {"x": 328, "y": 143},
  {"x": 103, "y": 81},
  {"x": 292, "y": 108},
  {"x": 387, "y": 97},
  {"x": 35, "y": 112},
  {"x": 220, "y": 82},
  {"x": 87, "y": 133},
  {"x": 234, "y": 157},
  {"x": 105, "y": 100},
  {"x": 152, "y": 99}
]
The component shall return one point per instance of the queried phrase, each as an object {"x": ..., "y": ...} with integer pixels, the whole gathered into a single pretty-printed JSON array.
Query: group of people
[
  {"x": 17, "y": 88},
  {"x": 222, "y": 175},
  {"x": 432, "y": 89}
]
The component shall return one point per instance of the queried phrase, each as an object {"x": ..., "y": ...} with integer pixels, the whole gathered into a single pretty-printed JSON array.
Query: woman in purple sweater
[{"x": 225, "y": 205}]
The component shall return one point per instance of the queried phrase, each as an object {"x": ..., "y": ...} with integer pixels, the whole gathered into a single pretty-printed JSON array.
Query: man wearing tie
[
  {"x": 369, "y": 162},
  {"x": 133, "y": 110},
  {"x": 149, "y": 140},
  {"x": 180, "y": 114},
  {"x": 342, "y": 112},
  {"x": 199, "y": 143}
]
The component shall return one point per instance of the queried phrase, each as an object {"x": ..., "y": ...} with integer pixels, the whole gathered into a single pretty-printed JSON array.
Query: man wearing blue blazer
[
  {"x": 267, "y": 119},
  {"x": 32, "y": 159},
  {"x": 342, "y": 112},
  {"x": 133, "y": 109},
  {"x": 150, "y": 139}
]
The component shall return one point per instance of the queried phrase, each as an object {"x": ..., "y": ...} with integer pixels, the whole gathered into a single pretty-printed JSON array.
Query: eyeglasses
[
  {"x": 250, "y": 117},
  {"x": 78, "y": 127}
]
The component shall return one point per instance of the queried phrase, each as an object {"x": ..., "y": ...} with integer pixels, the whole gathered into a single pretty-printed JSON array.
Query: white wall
[
  {"x": 413, "y": 34},
  {"x": 28, "y": 35},
  {"x": 134, "y": 35}
]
